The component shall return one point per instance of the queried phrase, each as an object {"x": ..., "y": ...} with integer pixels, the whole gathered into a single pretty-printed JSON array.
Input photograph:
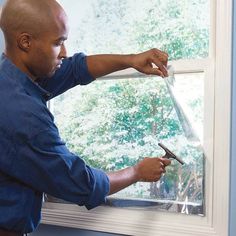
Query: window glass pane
[
  {"x": 180, "y": 27},
  {"x": 114, "y": 123}
]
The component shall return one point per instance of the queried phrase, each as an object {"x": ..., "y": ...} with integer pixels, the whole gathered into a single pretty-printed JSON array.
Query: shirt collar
[{"x": 15, "y": 73}]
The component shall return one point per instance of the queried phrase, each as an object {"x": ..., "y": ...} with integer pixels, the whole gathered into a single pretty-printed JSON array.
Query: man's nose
[{"x": 63, "y": 52}]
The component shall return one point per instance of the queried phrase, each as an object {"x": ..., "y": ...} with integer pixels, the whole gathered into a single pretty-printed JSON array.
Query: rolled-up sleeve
[
  {"x": 45, "y": 164},
  {"x": 74, "y": 71}
]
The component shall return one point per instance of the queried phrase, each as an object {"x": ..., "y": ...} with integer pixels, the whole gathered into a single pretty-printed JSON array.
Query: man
[{"x": 33, "y": 69}]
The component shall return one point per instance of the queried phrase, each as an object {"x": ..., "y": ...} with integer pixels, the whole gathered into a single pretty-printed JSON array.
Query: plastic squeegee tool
[{"x": 170, "y": 154}]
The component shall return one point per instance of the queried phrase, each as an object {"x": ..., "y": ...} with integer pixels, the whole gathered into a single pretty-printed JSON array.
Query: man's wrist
[
  {"x": 136, "y": 170},
  {"x": 129, "y": 60}
]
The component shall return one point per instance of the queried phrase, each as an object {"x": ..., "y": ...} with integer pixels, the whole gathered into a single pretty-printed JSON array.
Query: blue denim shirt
[{"x": 33, "y": 158}]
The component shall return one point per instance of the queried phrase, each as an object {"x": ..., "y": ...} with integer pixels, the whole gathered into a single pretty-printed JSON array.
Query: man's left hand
[{"x": 151, "y": 62}]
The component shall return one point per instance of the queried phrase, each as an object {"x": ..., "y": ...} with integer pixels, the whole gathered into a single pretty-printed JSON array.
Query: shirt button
[{"x": 47, "y": 95}]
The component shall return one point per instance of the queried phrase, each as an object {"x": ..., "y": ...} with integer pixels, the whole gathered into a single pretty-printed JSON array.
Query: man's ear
[{"x": 24, "y": 41}]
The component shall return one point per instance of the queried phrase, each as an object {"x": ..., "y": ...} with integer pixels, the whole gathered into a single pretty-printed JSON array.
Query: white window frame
[{"x": 217, "y": 150}]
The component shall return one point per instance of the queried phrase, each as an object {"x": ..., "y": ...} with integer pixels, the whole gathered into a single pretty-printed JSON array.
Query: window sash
[
  {"x": 181, "y": 66},
  {"x": 216, "y": 145}
]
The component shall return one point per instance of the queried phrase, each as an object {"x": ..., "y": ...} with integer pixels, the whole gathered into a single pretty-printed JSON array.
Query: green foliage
[
  {"x": 113, "y": 124},
  {"x": 180, "y": 27}
]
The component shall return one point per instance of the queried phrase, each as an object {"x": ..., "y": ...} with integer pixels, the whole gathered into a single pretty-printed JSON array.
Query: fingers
[
  {"x": 152, "y": 62},
  {"x": 151, "y": 169},
  {"x": 155, "y": 71},
  {"x": 165, "y": 161},
  {"x": 162, "y": 168},
  {"x": 162, "y": 163},
  {"x": 160, "y": 59}
]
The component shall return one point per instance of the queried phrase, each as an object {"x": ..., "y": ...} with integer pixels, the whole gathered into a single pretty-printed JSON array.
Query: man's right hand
[{"x": 151, "y": 169}]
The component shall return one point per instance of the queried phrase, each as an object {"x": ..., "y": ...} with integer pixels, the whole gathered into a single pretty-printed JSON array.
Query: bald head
[
  {"x": 30, "y": 16},
  {"x": 34, "y": 32}
]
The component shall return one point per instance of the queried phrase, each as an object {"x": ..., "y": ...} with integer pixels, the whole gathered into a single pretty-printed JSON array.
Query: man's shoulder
[{"x": 20, "y": 111}]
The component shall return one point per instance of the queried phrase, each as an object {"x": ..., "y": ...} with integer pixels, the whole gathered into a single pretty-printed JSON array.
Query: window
[{"x": 140, "y": 112}]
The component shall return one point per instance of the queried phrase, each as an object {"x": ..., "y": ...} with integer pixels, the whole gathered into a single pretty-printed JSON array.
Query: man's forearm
[
  {"x": 148, "y": 170},
  {"x": 100, "y": 65},
  {"x": 122, "y": 179},
  {"x": 152, "y": 62}
]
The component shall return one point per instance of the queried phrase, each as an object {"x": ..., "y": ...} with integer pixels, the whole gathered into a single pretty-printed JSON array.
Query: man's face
[{"x": 47, "y": 51}]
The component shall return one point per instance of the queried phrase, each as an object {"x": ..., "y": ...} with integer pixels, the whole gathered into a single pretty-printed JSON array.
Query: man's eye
[{"x": 59, "y": 43}]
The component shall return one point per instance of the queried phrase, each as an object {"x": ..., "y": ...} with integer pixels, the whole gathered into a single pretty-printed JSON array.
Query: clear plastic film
[{"x": 183, "y": 118}]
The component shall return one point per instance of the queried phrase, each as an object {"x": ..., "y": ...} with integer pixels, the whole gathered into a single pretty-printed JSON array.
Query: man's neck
[{"x": 18, "y": 62}]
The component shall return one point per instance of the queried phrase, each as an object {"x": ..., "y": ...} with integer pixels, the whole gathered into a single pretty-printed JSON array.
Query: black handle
[{"x": 170, "y": 154}]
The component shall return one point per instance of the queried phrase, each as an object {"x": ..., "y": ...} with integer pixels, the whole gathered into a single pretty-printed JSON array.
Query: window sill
[{"x": 125, "y": 221}]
